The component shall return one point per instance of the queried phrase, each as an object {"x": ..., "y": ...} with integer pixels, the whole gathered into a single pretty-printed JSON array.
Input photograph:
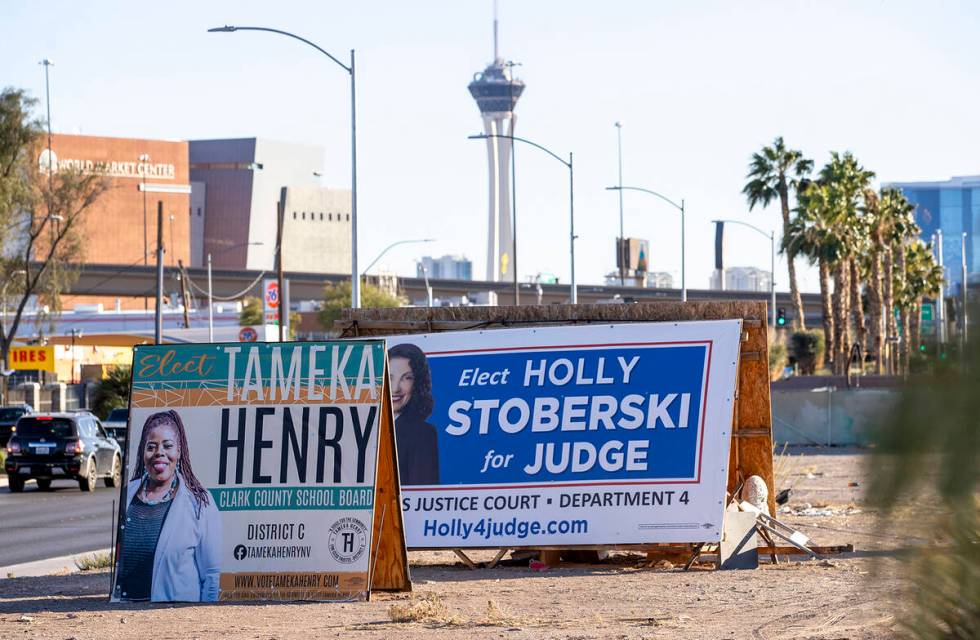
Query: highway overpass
[{"x": 139, "y": 281}]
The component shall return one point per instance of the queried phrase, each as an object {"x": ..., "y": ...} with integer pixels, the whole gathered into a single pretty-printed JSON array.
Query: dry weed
[{"x": 426, "y": 608}]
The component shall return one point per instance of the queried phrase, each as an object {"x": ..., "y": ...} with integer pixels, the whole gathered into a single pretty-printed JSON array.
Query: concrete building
[
  {"x": 243, "y": 180},
  {"x": 317, "y": 230},
  {"x": 742, "y": 279},
  {"x": 953, "y": 207},
  {"x": 496, "y": 92},
  {"x": 446, "y": 268}
]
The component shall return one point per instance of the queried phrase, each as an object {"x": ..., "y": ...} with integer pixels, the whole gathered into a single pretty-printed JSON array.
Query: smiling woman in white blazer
[{"x": 171, "y": 543}]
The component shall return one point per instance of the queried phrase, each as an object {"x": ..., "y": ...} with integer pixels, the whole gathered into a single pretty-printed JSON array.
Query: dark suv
[
  {"x": 50, "y": 446},
  {"x": 9, "y": 416}
]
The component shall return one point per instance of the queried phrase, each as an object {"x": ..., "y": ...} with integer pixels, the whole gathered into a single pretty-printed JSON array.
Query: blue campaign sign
[
  {"x": 572, "y": 413},
  {"x": 564, "y": 435}
]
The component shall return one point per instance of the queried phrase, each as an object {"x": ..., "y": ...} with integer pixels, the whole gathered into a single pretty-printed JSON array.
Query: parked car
[
  {"x": 8, "y": 418},
  {"x": 50, "y": 446},
  {"x": 116, "y": 424}
]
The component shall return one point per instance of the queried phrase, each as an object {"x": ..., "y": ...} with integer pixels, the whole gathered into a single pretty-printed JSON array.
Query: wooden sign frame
[{"x": 751, "y": 445}]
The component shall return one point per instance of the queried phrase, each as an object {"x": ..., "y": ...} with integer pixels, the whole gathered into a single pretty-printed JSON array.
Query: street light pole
[
  {"x": 772, "y": 261},
  {"x": 355, "y": 281},
  {"x": 569, "y": 164},
  {"x": 679, "y": 207},
  {"x": 621, "y": 249},
  {"x": 391, "y": 246},
  {"x": 965, "y": 277}
]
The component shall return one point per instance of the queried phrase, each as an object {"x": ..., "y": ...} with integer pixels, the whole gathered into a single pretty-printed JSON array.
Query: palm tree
[
  {"x": 897, "y": 227},
  {"x": 846, "y": 181},
  {"x": 772, "y": 173},
  {"x": 875, "y": 216},
  {"x": 811, "y": 234},
  {"x": 923, "y": 279}
]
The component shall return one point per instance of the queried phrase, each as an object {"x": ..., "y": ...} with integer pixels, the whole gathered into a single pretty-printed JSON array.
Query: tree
[
  {"x": 812, "y": 234},
  {"x": 773, "y": 172},
  {"x": 112, "y": 391},
  {"x": 41, "y": 215},
  {"x": 846, "y": 181},
  {"x": 252, "y": 313},
  {"x": 336, "y": 298}
]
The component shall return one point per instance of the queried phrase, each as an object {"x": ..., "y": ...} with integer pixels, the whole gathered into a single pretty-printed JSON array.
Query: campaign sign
[
  {"x": 250, "y": 471},
  {"x": 598, "y": 434}
]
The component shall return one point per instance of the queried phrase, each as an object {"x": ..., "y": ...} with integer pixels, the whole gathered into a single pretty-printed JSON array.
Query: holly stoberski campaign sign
[
  {"x": 250, "y": 471},
  {"x": 597, "y": 434}
]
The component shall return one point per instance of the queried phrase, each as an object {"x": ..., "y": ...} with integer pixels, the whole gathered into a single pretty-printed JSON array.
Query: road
[{"x": 35, "y": 525}]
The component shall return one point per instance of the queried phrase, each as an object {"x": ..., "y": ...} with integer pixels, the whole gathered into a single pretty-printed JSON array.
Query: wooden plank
[
  {"x": 793, "y": 551},
  {"x": 389, "y": 565}
]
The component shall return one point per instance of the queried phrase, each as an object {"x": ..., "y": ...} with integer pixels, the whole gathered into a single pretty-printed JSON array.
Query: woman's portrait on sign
[
  {"x": 411, "y": 404},
  {"x": 171, "y": 540}
]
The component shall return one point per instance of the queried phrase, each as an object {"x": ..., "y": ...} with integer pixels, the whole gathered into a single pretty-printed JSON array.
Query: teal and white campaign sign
[
  {"x": 598, "y": 434},
  {"x": 250, "y": 471}
]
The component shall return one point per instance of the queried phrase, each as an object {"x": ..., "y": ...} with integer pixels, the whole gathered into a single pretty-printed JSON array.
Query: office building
[
  {"x": 445, "y": 268},
  {"x": 953, "y": 207},
  {"x": 496, "y": 92},
  {"x": 243, "y": 180}
]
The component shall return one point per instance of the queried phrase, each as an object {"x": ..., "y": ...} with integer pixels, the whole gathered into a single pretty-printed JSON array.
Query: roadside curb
[{"x": 59, "y": 565}]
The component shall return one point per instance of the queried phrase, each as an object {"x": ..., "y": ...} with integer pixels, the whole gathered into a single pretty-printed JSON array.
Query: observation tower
[{"x": 496, "y": 92}]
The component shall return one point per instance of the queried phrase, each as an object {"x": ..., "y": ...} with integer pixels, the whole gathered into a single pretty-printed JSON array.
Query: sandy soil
[{"x": 852, "y": 596}]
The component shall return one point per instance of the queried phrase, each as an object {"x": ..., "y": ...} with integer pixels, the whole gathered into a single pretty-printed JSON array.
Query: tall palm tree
[
  {"x": 846, "y": 181},
  {"x": 902, "y": 233},
  {"x": 876, "y": 219},
  {"x": 811, "y": 234},
  {"x": 773, "y": 172},
  {"x": 923, "y": 279}
]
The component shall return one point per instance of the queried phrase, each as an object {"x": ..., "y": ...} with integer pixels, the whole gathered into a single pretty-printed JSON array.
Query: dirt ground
[{"x": 854, "y": 596}]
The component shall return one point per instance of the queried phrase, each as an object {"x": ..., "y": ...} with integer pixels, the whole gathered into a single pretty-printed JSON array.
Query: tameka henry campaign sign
[
  {"x": 598, "y": 434},
  {"x": 250, "y": 471}
]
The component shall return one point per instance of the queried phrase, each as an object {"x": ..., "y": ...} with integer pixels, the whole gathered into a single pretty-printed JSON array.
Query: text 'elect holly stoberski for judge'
[{"x": 572, "y": 412}]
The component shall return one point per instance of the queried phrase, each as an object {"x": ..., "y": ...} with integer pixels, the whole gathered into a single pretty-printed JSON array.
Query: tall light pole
[
  {"x": 570, "y": 165},
  {"x": 679, "y": 207},
  {"x": 47, "y": 98},
  {"x": 772, "y": 261},
  {"x": 621, "y": 250},
  {"x": 965, "y": 277},
  {"x": 941, "y": 311},
  {"x": 355, "y": 281}
]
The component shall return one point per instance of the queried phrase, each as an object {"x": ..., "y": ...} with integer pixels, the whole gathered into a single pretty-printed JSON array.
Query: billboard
[
  {"x": 599, "y": 434},
  {"x": 250, "y": 471}
]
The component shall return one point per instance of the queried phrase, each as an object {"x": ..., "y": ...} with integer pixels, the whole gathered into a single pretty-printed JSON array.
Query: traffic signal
[
  {"x": 780, "y": 317},
  {"x": 922, "y": 347}
]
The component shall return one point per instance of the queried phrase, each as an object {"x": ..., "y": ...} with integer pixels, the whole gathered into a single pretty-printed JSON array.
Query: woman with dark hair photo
[
  {"x": 171, "y": 547},
  {"x": 411, "y": 403}
]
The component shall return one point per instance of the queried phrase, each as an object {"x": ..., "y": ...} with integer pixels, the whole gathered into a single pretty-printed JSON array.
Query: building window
[
  {"x": 330, "y": 217},
  {"x": 321, "y": 216},
  {"x": 304, "y": 215},
  {"x": 348, "y": 217},
  {"x": 294, "y": 215},
  {"x": 199, "y": 212}
]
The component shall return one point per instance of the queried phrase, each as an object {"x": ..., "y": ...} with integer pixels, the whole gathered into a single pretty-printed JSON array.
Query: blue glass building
[{"x": 952, "y": 206}]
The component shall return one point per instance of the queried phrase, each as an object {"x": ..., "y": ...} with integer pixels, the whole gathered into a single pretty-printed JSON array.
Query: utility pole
[
  {"x": 158, "y": 332},
  {"x": 283, "y": 313},
  {"x": 942, "y": 288},
  {"x": 210, "y": 303},
  {"x": 184, "y": 292}
]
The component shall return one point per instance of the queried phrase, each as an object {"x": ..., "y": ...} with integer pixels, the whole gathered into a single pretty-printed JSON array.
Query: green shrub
[
  {"x": 807, "y": 348},
  {"x": 777, "y": 359},
  {"x": 112, "y": 391}
]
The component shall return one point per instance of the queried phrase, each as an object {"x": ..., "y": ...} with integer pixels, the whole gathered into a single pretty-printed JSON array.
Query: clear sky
[{"x": 698, "y": 86}]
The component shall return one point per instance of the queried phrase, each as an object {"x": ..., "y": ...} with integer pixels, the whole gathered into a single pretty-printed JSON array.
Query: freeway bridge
[{"x": 139, "y": 281}]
